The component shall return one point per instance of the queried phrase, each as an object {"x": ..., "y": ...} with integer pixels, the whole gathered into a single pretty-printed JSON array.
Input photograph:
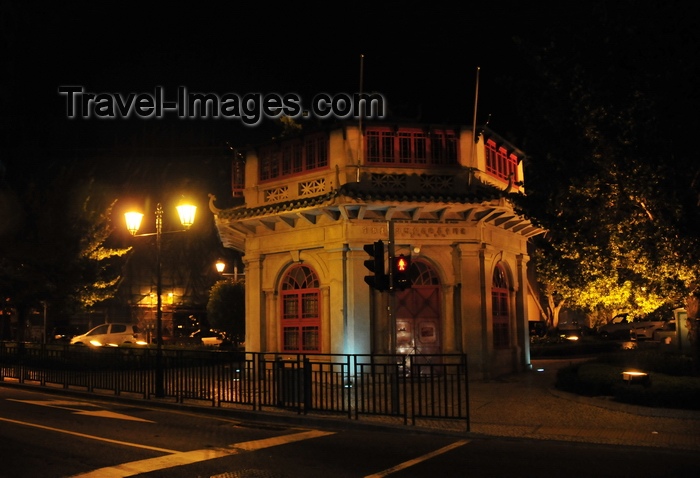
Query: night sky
[{"x": 422, "y": 57}]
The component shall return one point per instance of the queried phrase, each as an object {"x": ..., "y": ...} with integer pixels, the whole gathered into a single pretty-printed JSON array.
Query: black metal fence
[{"x": 405, "y": 386}]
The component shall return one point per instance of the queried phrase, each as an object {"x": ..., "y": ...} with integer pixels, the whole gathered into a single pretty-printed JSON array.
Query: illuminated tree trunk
[
  {"x": 554, "y": 306},
  {"x": 692, "y": 306}
]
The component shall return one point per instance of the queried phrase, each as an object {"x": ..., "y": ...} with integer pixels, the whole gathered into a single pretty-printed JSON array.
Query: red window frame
[
  {"x": 238, "y": 176},
  {"x": 411, "y": 147},
  {"x": 500, "y": 163},
  {"x": 292, "y": 157},
  {"x": 300, "y": 313}
]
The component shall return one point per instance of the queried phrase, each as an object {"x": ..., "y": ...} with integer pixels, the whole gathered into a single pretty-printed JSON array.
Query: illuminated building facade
[{"x": 310, "y": 203}]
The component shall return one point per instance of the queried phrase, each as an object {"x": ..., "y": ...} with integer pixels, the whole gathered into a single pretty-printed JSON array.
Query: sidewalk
[{"x": 527, "y": 405}]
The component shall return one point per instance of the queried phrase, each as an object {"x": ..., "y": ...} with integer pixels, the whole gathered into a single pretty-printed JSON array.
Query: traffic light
[
  {"x": 375, "y": 265},
  {"x": 401, "y": 268}
]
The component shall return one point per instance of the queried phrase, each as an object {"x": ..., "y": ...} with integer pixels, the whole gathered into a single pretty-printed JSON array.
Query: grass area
[{"x": 672, "y": 382}]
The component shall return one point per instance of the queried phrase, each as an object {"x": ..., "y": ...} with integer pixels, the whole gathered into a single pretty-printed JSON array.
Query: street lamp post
[
  {"x": 221, "y": 266},
  {"x": 133, "y": 222}
]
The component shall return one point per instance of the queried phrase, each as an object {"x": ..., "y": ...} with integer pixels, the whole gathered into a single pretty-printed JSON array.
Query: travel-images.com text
[{"x": 250, "y": 108}]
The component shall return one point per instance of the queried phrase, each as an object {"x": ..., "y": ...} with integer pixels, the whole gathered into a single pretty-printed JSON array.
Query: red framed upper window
[
  {"x": 501, "y": 163},
  {"x": 238, "y": 176},
  {"x": 411, "y": 147},
  {"x": 292, "y": 157}
]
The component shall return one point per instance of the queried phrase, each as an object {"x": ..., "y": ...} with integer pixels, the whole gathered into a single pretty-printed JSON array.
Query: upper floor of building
[{"x": 389, "y": 157}]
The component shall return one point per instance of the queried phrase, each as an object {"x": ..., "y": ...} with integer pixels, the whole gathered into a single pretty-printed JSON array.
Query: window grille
[
  {"x": 301, "y": 321},
  {"x": 411, "y": 147}
]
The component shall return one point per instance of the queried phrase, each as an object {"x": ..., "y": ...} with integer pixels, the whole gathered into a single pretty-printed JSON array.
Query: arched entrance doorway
[{"x": 418, "y": 312}]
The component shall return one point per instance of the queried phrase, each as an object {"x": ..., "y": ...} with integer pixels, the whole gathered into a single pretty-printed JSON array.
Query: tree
[
  {"x": 56, "y": 243},
  {"x": 226, "y": 309},
  {"x": 610, "y": 173}
]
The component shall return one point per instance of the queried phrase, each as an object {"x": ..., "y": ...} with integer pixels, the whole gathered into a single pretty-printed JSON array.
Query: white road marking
[
  {"x": 194, "y": 456},
  {"x": 415, "y": 461},
  {"x": 108, "y": 414},
  {"x": 90, "y": 437},
  {"x": 62, "y": 404}
]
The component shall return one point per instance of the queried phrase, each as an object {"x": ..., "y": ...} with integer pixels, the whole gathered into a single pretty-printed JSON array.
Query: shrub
[
  {"x": 557, "y": 347},
  {"x": 669, "y": 363},
  {"x": 589, "y": 379},
  {"x": 672, "y": 384},
  {"x": 665, "y": 391}
]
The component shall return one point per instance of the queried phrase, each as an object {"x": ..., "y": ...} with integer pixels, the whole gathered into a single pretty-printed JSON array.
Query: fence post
[
  {"x": 465, "y": 364},
  {"x": 306, "y": 377}
]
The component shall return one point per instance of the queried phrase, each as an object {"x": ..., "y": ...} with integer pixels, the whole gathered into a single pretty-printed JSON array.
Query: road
[{"x": 49, "y": 435}]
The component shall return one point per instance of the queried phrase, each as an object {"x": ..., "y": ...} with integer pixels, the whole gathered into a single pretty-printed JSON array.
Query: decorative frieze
[
  {"x": 313, "y": 187},
  {"x": 389, "y": 181},
  {"x": 277, "y": 194},
  {"x": 436, "y": 183}
]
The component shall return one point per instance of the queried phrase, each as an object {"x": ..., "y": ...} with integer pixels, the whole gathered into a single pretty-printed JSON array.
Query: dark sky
[{"x": 422, "y": 57}]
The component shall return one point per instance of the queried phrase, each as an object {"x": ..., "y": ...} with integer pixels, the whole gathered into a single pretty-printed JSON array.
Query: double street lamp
[{"x": 133, "y": 222}]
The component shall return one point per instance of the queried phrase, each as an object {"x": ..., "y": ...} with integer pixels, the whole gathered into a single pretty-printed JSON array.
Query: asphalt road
[{"x": 48, "y": 435}]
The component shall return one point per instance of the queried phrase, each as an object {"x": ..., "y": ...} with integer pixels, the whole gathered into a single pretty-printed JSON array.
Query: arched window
[
  {"x": 499, "y": 307},
  {"x": 423, "y": 274},
  {"x": 301, "y": 321}
]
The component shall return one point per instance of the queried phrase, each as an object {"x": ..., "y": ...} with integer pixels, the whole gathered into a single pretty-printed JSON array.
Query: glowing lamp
[
  {"x": 133, "y": 221},
  {"x": 186, "y": 212}
]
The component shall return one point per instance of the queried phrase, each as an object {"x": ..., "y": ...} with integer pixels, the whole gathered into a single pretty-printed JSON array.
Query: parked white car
[
  {"x": 210, "y": 338},
  {"x": 113, "y": 335},
  {"x": 620, "y": 328},
  {"x": 646, "y": 329},
  {"x": 667, "y": 334},
  {"x": 626, "y": 327}
]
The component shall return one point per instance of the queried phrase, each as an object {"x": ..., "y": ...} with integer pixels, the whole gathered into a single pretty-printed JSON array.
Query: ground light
[
  {"x": 634, "y": 376},
  {"x": 571, "y": 338}
]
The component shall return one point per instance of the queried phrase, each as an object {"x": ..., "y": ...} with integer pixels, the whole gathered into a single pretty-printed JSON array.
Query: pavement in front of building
[{"x": 527, "y": 405}]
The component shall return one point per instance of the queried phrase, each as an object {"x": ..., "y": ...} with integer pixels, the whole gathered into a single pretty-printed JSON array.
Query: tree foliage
[
  {"x": 55, "y": 242},
  {"x": 611, "y": 173},
  {"x": 226, "y": 308}
]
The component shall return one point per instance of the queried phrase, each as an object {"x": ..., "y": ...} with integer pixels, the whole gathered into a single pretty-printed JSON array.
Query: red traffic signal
[
  {"x": 402, "y": 264},
  {"x": 401, "y": 268}
]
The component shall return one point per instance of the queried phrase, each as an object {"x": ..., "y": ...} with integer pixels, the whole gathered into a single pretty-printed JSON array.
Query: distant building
[{"x": 309, "y": 205}]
